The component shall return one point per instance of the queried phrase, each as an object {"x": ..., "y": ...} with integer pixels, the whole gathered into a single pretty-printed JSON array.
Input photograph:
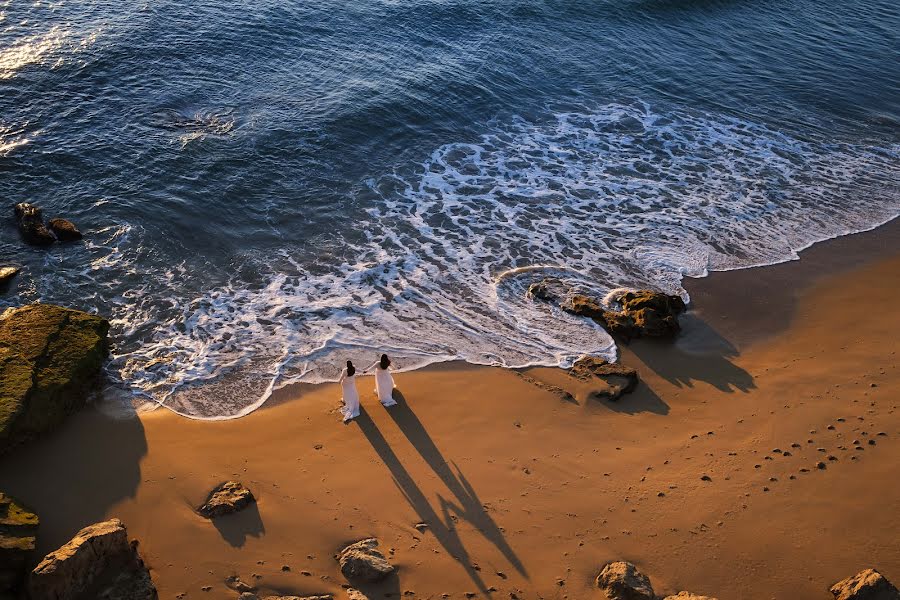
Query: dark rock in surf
[
  {"x": 31, "y": 225},
  {"x": 50, "y": 359},
  {"x": 865, "y": 585},
  {"x": 7, "y": 273},
  {"x": 64, "y": 230},
  {"x": 546, "y": 290},
  {"x": 226, "y": 498},
  {"x": 364, "y": 562},
  {"x": 619, "y": 379},
  {"x": 644, "y": 313},
  {"x": 18, "y": 527}
]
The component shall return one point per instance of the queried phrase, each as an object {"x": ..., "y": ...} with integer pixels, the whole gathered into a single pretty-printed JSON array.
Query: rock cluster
[
  {"x": 50, "y": 357},
  {"x": 98, "y": 562},
  {"x": 619, "y": 378},
  {"x": 18, "y": 527},
  {"x": 644, "y": 313},
  {"x": 363, "y": 562},
  {"x": 30, "y": 220},
  {"x": 226, "y": 498},
  {"x": 622, "y": 580},
  {"x": 865, "y": 585}
]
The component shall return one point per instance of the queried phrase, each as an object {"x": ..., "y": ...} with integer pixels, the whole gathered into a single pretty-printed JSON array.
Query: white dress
[
  {"x": 350, "y": 396},
  {"x": 384, "y": 386}
]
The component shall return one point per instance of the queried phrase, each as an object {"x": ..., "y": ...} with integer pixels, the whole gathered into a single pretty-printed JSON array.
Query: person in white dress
[
  {"x": 350, "y": 393},
  {"x": 384, "y": 382}
]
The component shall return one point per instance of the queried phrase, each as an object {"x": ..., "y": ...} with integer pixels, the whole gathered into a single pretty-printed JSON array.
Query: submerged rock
[
  {"x": 18, "y": 527},
  {"x": 363, "y": 562},
  {"x": 622, "y": 581},
  {"x": 865, "y": 585},
  {"x": 619, "y": 378},
  {"x": 7, "y": 273},
  {"x": 64, "y": 230},
  {"x": 30, "y": 220},
  {"x": 98, "y": 562},
  {"x": 226, "y": 498},
  {"x": 50, "y": 358}
]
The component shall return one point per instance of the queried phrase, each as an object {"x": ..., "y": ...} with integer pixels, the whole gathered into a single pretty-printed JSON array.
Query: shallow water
[{"x": 270, "y": 188}]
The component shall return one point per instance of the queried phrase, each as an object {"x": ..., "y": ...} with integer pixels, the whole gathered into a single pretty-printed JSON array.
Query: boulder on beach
[
  {"x": 619, "y": 379},
  {"x": 688, "y": 596},
  {"x": 7, "y": 273},
  {"x": 226, "y": 498},
  {"x": 50, "y": 359},
  {"x": 64, "y": 230},
  {"x": 18, "y": 527},
  {"x": 643, "y": 313},
  {"x": 622, "y": 581},
  {"x": 30, "y": 220},
  {"x": 363, "y": 562},
  {"x": 98, "y": 562},
  {"x": 865, "y": 585}
]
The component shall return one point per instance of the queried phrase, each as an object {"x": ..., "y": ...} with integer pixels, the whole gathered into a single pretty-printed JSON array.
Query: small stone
[
  {"x": 705, "y": 478},
  {"x": 820, "y": 465}
]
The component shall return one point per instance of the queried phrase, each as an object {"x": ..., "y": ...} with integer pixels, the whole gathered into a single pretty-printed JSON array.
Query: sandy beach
[{"x": 527, "y": 493}]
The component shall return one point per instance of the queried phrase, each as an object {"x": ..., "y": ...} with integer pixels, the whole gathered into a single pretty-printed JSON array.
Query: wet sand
[{"x": 526, "y": 491}]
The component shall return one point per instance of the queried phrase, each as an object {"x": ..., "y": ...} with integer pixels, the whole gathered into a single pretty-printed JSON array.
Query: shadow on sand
[
  {"x": 465, "y": 503},
  {"x": 237, "y": 527}
]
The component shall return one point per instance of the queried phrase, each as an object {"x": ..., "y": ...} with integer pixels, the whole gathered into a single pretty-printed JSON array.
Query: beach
[{"x": 705, "y": 476}]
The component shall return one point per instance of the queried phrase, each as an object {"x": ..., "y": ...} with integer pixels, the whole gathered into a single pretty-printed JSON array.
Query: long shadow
[
  {"x": 699, "y": 354},
  {"x": 236, "y": 528},
  {"x": 470, "y": 506},
  {"x": 642, "y": 399},
  {"x": 443, "y": 529}
]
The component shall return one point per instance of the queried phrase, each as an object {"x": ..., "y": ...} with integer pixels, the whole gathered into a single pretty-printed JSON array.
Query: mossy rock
[{"x": 50, "y": 358}]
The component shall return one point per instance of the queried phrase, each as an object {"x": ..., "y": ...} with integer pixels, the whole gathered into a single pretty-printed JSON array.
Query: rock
[
  {"x": 7, "y": 273},
  {"x": 546, "y": 290},
  {"x": 226, "y": 498},
  {"x": 622, "y": 581},
  {"x": 18, "y": 526},
  {"x": 30, "y": 220},
  {"x": 97, "y": 563},
  {"x": 619, "y": 378},
  {"x": 235, "y": 583},
  {"x": 688, "y": 596},
  {"x": 865, "y": 585},
  {"x": 356, "y": 595},
  {"x": 64, "y": 230},
  {"x": 363, "y": 562},
  {"x": 322, "y": 597},
  {"x": 50, "y": 359},
  {"x": 644, "y": 313}
]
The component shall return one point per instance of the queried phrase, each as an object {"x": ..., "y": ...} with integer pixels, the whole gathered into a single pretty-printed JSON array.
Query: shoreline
[{"x": 512, "y": 478}]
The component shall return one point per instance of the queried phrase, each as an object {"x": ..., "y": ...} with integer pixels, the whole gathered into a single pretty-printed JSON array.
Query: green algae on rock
[{"x": 50, "y": 358}]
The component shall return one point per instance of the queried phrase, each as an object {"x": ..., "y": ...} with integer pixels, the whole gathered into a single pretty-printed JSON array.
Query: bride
[
  {"x": 350, "y": 394},
  {"x": 384, "y": 382}
]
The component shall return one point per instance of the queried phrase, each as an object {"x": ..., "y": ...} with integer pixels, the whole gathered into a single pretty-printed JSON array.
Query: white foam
[{"x": 616, "y": 196}]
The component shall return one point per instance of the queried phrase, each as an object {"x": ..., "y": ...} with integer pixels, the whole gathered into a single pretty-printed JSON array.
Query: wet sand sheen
[{"x": 522, "y": 489}]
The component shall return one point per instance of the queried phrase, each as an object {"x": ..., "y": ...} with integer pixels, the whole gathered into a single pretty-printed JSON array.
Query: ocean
[{"x": 271, "y": 188}]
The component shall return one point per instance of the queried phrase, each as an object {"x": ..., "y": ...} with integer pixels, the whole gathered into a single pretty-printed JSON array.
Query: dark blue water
[{"x": 269, "y": 188}]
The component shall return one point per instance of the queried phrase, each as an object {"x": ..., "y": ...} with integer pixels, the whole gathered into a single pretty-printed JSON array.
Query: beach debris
[
  {"x": 363, "y": 561},
  {"x": 618, "y": 378},
  {"x": 64, "y": 230},
  {"x": 18, "y": 526},
  {"x": 7, "y": 273},
  {"x": 865, "y": 585},
  {"x": 98, "y": 555},
  {"x": 226, "y": 498},
  {"x": 621, "y": 580},
  {"x": 50, "y": 358}
]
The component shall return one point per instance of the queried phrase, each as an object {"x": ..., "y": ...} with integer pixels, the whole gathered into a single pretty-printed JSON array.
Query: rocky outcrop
[
  {"x": 865, "y": 585},
  {"x": 688, "y": 596},
  {"x": 644, "y": 313},
  {"x": 18, "y": 527},
  {"x": 622, "y": 581},
  {"x": 226, "y": 498},
  {"x": 98, "y": 562},
  {"x": 30, "y": 220},
  {"x": 619, "y": 379},
  {"x": 363, "y": 562},
  {"x": 64, "y": 230},
  {"x": 7, "y": 273},
  {"x": 50, "y": 358}
]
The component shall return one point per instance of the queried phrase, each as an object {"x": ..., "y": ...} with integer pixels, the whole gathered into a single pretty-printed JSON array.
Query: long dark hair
[
  {"x": 350, "y": 368},
  {"x": 385, "y": 361}
]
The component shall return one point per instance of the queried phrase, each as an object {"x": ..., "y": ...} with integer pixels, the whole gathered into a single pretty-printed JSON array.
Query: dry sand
[{"x": 524, "y": 491}]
